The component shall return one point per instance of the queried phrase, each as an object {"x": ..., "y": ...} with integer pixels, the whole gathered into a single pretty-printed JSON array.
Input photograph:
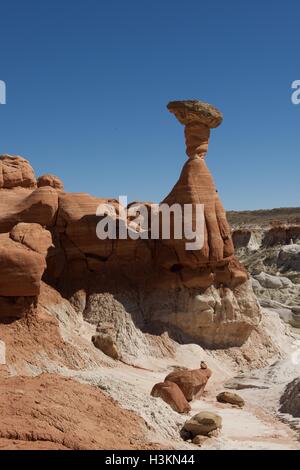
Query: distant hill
[{"x": 265, "y": 216}]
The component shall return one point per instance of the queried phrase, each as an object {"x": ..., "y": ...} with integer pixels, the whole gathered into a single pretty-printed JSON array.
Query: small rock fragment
[
  {"x": 105, "y": 340},
  {"x": 199, "y": 440}
]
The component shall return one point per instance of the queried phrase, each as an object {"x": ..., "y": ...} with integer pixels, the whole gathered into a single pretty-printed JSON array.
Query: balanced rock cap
[{"x": 192, "y": 110}]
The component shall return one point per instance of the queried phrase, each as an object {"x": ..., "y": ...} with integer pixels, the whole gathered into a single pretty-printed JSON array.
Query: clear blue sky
[{"x": 88, "y": 82}]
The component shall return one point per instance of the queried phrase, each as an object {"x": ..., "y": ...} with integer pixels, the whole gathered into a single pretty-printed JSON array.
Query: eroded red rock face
[
  {"x": 25, "y": 205},
  {"x": 52, "y": 412},
  {"x": 50, "y": 234},
  {"x": 23, "y": 254},
  {"x": 21, "y": 268},
  {"x": 196, "y": 186},
  {"x": 36, "y": 338}
]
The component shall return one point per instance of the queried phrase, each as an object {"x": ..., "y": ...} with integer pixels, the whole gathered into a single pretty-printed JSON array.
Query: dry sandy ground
[
  {"x": 57, "y": 342},
  {"x": 254, "y": 427}
]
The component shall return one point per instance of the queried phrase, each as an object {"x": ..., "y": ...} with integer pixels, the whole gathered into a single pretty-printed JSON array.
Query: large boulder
[
  {"x": 171, "y": 394},
  {"x": 191, "y": 382},
  {"x": 16, "y": 172},
  {"x": 203, "y": 423},
  {"x": 232, "y": 398}
]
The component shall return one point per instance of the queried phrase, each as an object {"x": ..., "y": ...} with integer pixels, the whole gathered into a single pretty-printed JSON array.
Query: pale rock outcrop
[
  {"x": 289, "y": 258},
  {"x": 50, "y": 337},
  {"x": 295, "y": 318},
  {"x": 281, "y": 294},
  {"x": 171, "y": 394},
  {"x": 219, "y": 317},
  {"x": 122, "y": 313},
  {"x": 269, "y": 249},
  {"x": 266, "y": 246},
  {"x": 106, "y": 340},
  {"x": 269, "y": 281}
]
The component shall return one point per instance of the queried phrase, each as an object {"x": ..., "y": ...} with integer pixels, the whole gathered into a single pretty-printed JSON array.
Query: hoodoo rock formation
[
  {"x": 202, "y": 295},
  {"x": 85, "y": 321},
  {"x": 196, "y": 186}
]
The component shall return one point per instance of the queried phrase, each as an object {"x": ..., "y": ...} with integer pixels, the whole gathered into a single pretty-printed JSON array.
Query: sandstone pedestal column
[{"x": 196, "y": 186}]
